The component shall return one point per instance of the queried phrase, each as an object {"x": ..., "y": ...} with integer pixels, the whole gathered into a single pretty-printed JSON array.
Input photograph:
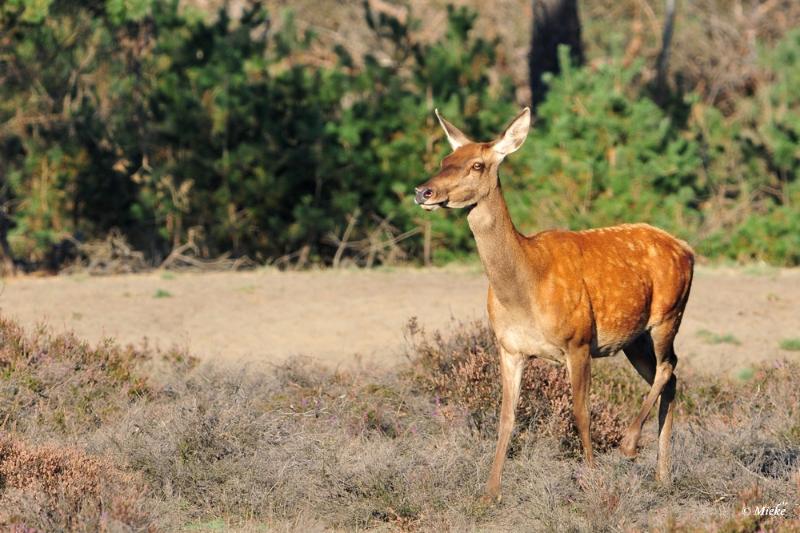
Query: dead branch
[
  {"x": 113, "y": 255},
  {"x": 351, "y": 222},
  {"x": 187, "y": 257}
]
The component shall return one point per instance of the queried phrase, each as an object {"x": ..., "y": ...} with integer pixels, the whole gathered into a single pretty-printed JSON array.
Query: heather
[{"x": 150, "y": 441}]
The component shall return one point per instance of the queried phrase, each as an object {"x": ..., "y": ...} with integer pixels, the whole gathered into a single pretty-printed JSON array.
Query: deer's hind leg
[
  {"x": 640, "y": 354},
  {"x": 653, "y": 356},
  {"x": 666, "y": 360}
]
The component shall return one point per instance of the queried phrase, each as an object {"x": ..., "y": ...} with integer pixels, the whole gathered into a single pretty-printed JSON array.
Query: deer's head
[{"x": 470, "y": 173}]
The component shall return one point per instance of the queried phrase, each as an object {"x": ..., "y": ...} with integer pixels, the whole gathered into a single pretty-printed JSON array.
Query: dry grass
[
  {"x": 54, "y": 488},
  {"x": 307, "y": 449},
  {"x": 463, "y": 371}
]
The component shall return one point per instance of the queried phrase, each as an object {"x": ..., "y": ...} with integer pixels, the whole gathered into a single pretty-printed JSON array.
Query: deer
[{"x": 567, "y": 296}]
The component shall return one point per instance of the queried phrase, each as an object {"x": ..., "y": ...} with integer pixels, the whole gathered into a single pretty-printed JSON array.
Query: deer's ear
[
  {"x": 454, "y": 135},
  {"x": 515, "y": 134}
]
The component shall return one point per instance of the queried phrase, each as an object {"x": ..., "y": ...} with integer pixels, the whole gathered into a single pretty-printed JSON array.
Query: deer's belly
[
  {"x": 528, "y": 340},
  {"x": 606, "y": 345},
  {"x": 614, "y": 332}
]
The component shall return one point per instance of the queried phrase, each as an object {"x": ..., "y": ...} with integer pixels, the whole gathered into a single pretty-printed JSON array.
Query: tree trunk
[
  {"x": 555, "y": 22},
  {"x": 7, "y": 267},
  {"x": 6, "y": 260},
  {"x": 662, "y": 63}
]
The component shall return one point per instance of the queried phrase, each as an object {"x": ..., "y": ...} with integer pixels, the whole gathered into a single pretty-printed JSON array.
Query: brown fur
[{"x": 568, "y": 296}]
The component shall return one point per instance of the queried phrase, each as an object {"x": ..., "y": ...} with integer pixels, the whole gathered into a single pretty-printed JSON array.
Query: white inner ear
[
  {"x": 514, "y": 135},
  {"x": 454, "y": 135}
]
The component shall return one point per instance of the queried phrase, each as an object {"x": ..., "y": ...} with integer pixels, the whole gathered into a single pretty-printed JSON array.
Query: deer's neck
[{"x": 500, "y": 248}]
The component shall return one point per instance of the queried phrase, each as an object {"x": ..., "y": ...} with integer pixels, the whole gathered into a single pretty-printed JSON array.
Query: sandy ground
[{"x": 734, "y": 317}]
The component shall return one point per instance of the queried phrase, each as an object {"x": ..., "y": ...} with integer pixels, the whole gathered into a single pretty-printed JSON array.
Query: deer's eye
[{"x": 477, "y": 166}]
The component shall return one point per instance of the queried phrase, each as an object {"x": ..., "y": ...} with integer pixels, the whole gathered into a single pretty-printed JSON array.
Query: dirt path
[{"x": 733, "y": 319}]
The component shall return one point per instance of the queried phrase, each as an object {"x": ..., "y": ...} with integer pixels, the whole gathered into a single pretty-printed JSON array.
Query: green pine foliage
[
  {"x": 763, "y": 165},
  {"x": 166, "y": 124},
  {"x": 601, "y": 154}
]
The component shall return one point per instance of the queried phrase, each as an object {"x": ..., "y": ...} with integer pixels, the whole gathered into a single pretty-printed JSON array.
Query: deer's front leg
[
  {"x": 580, "y": 376},
  {"x": 511, "y": 368}
]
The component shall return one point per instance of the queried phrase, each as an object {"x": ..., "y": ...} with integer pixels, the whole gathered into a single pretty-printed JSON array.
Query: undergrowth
[
  {"x": 307, "y": 448},
  {"x": 462, "y": 370}
]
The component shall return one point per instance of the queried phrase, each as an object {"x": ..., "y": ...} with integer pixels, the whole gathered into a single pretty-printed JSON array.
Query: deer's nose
[{"x": 423, "y": 194}]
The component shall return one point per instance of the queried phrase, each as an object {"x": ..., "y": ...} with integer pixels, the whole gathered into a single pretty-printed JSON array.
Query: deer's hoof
[
  {"x": 489, "y": 499},
  {"x": 628, "y": 447},
  {"x": 663, "y": 478}
]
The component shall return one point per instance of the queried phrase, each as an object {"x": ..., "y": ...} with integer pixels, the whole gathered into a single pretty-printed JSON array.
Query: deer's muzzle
[{"x": 423, "y": 194}]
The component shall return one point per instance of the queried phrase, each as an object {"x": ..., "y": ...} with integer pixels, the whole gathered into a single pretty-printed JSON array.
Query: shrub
[
  {"x": 52, "y": 488},
  {"x": 59, "y": 382},
  {"x": 221, "y": 133},
  {"x": 600, "y": 153},
  {"x": 303, "y": 447},
  {"x": 462, "y": 371},
  {"x": 230, "y": 135}
]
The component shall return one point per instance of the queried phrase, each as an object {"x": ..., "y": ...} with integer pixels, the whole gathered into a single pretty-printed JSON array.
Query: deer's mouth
[{"x": 433, "y": 206}]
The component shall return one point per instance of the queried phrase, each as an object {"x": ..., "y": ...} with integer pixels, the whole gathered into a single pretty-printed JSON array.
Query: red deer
[{"x": 568, "y": 296}]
